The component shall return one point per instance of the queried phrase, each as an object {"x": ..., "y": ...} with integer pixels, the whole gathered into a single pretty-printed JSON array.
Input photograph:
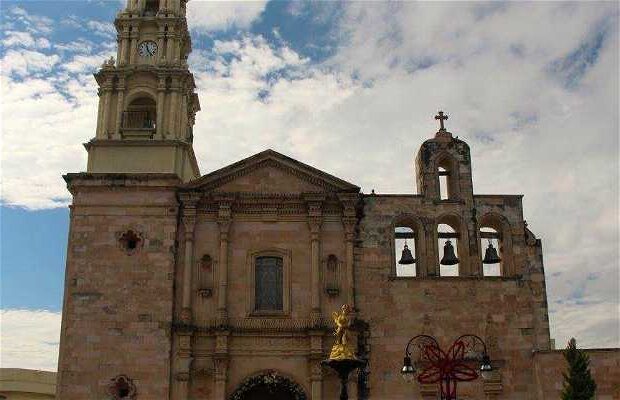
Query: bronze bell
[
  {"x": 406, "y": 258},
  {"x": 490, "y": 255},
  {"x": 449, "y": 258}
]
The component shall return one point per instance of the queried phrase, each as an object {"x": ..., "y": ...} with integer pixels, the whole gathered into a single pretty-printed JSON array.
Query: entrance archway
[{"x": 268, "y": 385}]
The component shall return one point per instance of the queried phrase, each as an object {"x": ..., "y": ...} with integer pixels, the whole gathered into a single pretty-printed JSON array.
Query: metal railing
[{"x": 138, "y": 120}]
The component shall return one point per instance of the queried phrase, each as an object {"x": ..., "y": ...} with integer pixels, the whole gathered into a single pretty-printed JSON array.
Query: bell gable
[{"x": 271, "y": 172}]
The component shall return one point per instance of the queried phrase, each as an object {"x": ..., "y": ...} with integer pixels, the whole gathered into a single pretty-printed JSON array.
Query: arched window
[
  {"x": 268, "y": 284},
  {"x": 448, "y": 245},
  {"x": 151, "y": 7},
  {"x": 141, "y": 114},
  {"x": 447, "y": 179},
  {"x": 405, "y": 251}
]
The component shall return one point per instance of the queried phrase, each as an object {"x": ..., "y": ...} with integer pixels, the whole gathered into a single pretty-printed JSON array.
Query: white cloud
[
  {"x": 215, "y": 15},
  {"x": 105, "y": 29},
  {"x": 23, "y": 62},
  {"x": 29, "y": 339},
  {"x": 24, "y": 39},
  {"x": 33, "y": 23}
]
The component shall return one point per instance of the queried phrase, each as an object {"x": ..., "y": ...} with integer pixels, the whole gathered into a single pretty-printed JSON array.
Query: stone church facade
[{"x": 188, "y": 286}]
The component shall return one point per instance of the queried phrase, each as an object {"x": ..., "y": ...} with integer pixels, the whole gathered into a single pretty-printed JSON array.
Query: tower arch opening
[{"x": 140, "y": 114}]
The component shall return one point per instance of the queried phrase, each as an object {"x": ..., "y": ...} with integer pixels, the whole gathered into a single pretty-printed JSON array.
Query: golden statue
[{"x": 343, "y": 349}]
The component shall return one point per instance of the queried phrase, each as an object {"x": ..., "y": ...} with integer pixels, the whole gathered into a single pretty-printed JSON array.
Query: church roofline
[{"x": 337, "y": 184}]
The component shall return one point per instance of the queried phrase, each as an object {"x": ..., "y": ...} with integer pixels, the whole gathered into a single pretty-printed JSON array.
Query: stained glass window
[{"x": 268, "y": 284}]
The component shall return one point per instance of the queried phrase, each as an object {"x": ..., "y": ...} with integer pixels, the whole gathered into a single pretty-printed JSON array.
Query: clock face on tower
[{"x": 148, "y": 48}]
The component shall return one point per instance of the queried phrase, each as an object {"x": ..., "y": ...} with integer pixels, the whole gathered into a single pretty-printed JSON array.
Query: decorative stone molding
[
  {"x": 130, "y": 241},
  {"x": 247, "y": 325},
  {"x": 122, "y": 387}
]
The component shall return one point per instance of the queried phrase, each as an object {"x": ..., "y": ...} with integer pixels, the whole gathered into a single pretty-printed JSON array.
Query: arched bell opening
[
  {"x": 408, "y": 246},
  {"x": 491, "y": 245},
  {"x": 151, "y": 7},
  {"x": 140, "y": 115},
  {"x": 496, "y": 259},
  {"x": 451, "y": 246},
  {"x": 448, "y": 244},
  {"x": 447, "y": 178},
  {"x": 405, "y": 251}
]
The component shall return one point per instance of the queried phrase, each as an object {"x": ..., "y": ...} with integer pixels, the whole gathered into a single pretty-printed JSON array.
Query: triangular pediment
[{"x": 271, "y": 172}]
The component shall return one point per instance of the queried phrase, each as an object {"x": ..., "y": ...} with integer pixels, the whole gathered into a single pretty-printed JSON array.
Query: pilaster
[
  {"x": 188, "y": 201},
  {"x": 220, "y": 365},
  {"x": 105, "y": 115},
  {"x": 224, "y": 220},
  {"x": 314, "y": 205},
  {"x": 349, "y": 222},
  {"x": 120, "y": 105},
  {"x": 314, "y": 364}
]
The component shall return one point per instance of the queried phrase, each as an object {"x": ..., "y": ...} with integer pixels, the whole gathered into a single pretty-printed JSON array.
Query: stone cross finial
[{"x": 441, "y": 117}]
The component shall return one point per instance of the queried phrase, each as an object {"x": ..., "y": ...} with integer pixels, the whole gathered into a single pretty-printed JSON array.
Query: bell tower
[{"x": 147, "y": 99}]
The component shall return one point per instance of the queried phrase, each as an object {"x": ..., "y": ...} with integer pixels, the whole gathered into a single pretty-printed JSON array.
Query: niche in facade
[
  {"x": 205, "y": 276},
  {"x": 332, "y": 275}
]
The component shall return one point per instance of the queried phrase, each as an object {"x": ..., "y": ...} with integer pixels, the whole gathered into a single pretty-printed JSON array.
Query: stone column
[
  {"x": 314, "y": 203},
  {"x": 349, "y": 232},
  {"x": 99, "y": 132},
  {"x": 220, "y": 361},
  {"x": 433, "y": 249},
  {"x": 189, "y": 201},
  {"x": 349, "y": 221},
  {"x": 173, "y": 109},
  {"x": 161, "y": 99},
  {"x": 182, "y": 364},
  {"x": 120, "y": 106},
  {"x": 133, "y": 45},
  {"x": 160, "y": 44},
  {"x": 314, "y": 361},
  {"x": 105, "y": 115},
  {"x": 170, "y": 49},
  {"x": 224, "y": 222}
]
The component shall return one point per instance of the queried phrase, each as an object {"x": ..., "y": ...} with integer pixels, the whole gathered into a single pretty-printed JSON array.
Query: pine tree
[{"x": 578, "y": 382}]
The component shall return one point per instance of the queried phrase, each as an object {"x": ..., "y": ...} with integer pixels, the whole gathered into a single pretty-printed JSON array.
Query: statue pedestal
[{"x": 343, "y": 368}]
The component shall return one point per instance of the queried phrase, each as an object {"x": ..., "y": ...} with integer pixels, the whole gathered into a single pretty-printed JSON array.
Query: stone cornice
[{"x": 263, "y": 325}]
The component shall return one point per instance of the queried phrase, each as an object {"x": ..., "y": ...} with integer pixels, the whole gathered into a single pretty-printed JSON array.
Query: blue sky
[{"x": 351, "y": 88}]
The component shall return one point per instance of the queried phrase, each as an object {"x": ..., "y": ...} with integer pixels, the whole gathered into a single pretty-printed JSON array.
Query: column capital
[
  {"x": 349, "y": 224},
  {"x": 349, "y": 202},
  {"x": 314, "y": 223}
]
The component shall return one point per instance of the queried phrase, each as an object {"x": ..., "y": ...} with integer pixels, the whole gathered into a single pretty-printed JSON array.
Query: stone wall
[
  {"x": 118, "y": 302},
  {"x": 604, "y": 365},
  {"x": 508, "y": 312}
]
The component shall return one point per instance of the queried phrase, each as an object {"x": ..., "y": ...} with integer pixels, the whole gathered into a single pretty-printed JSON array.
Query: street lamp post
[{"x": 446, "y": 368}]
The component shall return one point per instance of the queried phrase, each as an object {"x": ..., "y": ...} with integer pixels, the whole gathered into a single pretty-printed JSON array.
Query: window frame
[{"x": 285, "y": 255}]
